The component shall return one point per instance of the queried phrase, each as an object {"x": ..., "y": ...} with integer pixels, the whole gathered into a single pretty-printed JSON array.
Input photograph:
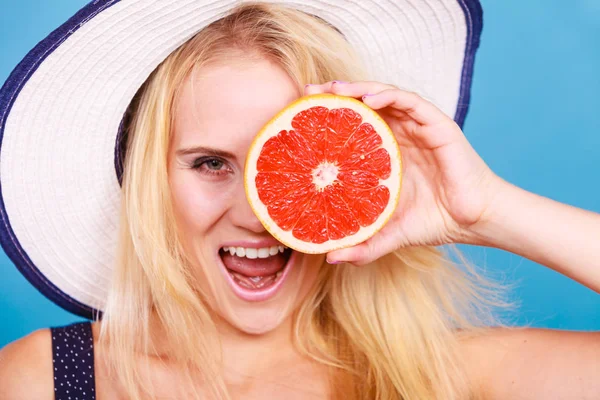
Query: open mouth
[{"x": 256, "y": 274}]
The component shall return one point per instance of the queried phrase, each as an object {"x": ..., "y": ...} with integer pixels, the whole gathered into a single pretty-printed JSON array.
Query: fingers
[
  {"x": 318, "y": 89},
  {"x": 410, "y": 103},
  {"x": 378, "y": 95},
  {"x": 351, "y": 89}
]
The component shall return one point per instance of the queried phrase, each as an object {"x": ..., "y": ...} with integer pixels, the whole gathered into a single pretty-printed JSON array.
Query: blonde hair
[{"x": 389, "y": 330}]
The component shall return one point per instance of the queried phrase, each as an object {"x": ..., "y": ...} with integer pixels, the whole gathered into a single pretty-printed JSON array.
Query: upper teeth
[{"x": 251, "y": 252}]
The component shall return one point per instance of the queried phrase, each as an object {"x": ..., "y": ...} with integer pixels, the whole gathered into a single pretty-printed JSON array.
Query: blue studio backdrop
[{"x": 534, "y": 118}]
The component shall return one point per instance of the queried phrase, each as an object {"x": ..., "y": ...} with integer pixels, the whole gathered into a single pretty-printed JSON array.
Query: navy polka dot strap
[{"x": 73, "y": 360}]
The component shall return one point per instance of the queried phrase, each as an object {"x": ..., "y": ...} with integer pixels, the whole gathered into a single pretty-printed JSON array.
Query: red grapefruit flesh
[{"x": 324, "y": 174}]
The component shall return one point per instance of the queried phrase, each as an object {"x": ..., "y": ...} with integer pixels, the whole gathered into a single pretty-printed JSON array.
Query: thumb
[
  {"x": 361, "y": 254},
  {"x": 353, "y": 255}
]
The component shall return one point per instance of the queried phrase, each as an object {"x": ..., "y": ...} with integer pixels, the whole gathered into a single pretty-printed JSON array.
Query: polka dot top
[{"x": 73, "y": 361}]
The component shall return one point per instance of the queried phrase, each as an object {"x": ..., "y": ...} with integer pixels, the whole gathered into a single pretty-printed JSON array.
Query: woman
[{"x": 407, "y": 324}]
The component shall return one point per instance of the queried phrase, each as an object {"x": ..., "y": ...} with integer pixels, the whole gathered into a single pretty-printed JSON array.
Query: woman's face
[{"x": 255, "y": 287}]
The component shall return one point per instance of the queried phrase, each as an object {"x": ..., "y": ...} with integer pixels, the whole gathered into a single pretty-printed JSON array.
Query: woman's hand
[{"x": 446, "y": 189}]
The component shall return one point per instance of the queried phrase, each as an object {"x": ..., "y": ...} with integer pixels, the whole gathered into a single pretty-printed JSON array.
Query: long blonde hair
[{"x": 389, "y": 330}]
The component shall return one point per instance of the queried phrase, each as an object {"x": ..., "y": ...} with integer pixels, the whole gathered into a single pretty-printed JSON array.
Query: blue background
[{"x": 534, "y": 118}]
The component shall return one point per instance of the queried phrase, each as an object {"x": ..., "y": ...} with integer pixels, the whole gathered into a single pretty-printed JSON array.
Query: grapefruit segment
[
  {"x": 311, "y": 226},
  {"x": 278, "y": 157},
  {"x": 293, "y": 140},
  {"x": 364, "y": 140},
  {"x": 342, "y": 125},
  {"x": 312, "y": 125},
  {"x": 285, "y": 211},
  {"x": 278, "y": 185},
  {"x": 367, "y": 205},
  {"x": 342, "y": 221},
  {"x": 325, "y": 173},
  {"x": 377, "y": 163},
  {"x": 358, "y": 179}
]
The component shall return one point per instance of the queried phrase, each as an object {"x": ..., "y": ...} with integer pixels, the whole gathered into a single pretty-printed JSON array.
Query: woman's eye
[
  {"x": 211, "y": 166},
  {"x": 215, "y": 164}
]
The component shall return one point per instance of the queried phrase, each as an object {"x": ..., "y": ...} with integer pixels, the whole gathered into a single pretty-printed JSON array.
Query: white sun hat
[{"x": 62, "y": 106}]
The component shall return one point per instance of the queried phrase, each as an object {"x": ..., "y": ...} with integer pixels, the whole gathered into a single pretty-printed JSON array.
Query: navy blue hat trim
[
  {"x": 474, "y": 19},
  {"x": 25, "y": 69}
]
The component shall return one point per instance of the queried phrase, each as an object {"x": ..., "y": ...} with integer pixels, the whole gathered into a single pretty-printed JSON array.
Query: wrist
[{"x": 490, "y": 227}]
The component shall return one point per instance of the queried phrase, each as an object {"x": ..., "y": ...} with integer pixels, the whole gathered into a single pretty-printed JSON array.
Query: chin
[{"x": 257, "y": 323}]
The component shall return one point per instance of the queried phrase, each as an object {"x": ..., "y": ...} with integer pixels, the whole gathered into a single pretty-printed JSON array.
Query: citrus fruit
[{"x": 323, "y": 174}]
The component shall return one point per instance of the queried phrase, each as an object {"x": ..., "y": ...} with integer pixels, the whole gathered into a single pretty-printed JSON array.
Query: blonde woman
[{"x": 149, "y": 107}]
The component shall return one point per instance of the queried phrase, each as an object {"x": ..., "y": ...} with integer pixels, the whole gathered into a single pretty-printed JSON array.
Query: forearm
[{"x": 559, "y": 236}]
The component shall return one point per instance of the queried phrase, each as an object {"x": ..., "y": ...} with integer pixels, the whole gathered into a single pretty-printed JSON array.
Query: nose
[{"x": 242, "y": 215}]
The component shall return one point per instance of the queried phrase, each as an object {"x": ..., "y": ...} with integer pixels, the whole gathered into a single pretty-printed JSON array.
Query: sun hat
[{"x": 61, "y": 110}]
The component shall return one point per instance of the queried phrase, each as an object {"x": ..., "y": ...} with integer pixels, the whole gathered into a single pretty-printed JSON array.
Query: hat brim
[{"x": 62, "y": 106}]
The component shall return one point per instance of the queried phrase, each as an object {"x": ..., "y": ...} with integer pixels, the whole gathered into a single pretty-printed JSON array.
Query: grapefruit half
[{"x": 323, "y": 174}]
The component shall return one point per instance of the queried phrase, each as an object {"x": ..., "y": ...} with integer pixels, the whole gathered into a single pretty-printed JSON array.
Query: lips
[{"x": 256, "y": 279}]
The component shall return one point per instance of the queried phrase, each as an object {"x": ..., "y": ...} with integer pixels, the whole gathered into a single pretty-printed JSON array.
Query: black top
[{"x": 73, "y": 361}]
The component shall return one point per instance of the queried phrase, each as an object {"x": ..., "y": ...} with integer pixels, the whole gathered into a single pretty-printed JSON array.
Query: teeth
[
  {"x": 263, "y": 252},
  {"x": 252, "y": 252}
]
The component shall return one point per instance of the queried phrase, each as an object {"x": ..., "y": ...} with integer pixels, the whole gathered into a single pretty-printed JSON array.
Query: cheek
[
  {"x": 197, "y": 204},
  {"x": 307, "y": 279}
]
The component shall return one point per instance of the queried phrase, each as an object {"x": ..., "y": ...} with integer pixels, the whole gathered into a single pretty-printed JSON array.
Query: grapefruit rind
[{"x": 282, "y": 121}]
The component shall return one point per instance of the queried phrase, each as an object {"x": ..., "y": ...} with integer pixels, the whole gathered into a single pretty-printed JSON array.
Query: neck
[
  {"x": 251, "y": 356},
  {"x": 250, "y": 359}
]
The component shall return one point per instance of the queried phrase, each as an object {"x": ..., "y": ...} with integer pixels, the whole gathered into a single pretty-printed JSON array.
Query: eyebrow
[{"x": 205, "y": 150}]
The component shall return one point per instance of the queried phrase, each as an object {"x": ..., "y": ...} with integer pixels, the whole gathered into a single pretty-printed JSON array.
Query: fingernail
[
  {"x": 338, "y": 82},
  {"x": 334, "y": 262},
  {"x": 367, "y": 95}
]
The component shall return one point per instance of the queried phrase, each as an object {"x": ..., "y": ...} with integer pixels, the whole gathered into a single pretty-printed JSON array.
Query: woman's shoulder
[
  {"x": 30, "y": 366},
  {"x": 26, "y": 367}
]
